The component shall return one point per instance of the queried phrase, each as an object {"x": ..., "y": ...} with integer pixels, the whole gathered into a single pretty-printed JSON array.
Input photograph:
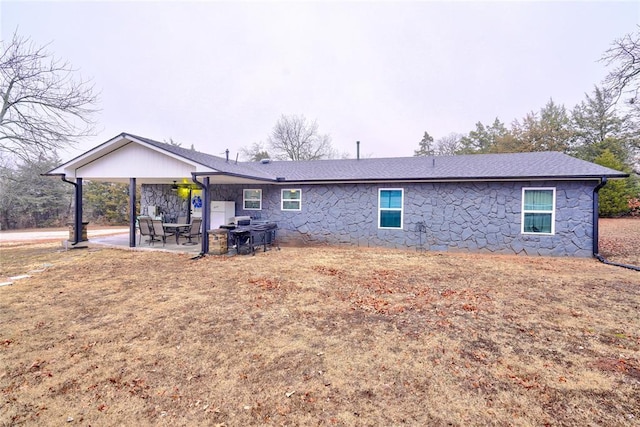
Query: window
[
  {"x": 538, "y": 210},
  {"x": 291, "y": 200},
  {"x": 390, "y": 205},
  {"x": 252, "y": 200}
]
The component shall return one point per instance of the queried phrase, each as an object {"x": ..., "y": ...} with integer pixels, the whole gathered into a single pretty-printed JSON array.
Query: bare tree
[
  {"x": 43, "y": 105},
  {"x": 448, "y": 145},
  {"x": 293, "y": 138},
  {"x": 624, "y": 58}
]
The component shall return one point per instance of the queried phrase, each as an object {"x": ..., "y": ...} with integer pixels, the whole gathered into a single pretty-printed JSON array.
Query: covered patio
[{"x": 175, "y": 178}]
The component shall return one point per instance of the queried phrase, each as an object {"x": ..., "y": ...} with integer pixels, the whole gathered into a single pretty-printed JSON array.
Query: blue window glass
[
  {"x": 390, "y": 208},
  {"x": 390, "y": 199}
]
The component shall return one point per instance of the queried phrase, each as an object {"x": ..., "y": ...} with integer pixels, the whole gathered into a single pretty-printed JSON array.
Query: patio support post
[
  {"x": 132, "y": 212},
  {"x": 77, "y": 223},
  {"x": 206, "y": 210},
  {"x": 206, "y": 216}
]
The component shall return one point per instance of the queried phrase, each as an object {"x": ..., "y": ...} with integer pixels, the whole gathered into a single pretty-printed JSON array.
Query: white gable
[{"x": 133, "y": 160}]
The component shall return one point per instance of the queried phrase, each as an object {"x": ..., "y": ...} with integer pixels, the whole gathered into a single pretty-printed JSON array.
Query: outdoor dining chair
[
  {"x": 159, "y": 231},
  {"x": 193, "y": 231},
  {"x": 182, "y": 220},
  {"x": 146, "y": 229}
]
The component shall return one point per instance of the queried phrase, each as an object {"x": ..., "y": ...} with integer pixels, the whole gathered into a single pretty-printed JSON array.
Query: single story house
[{"x": 541, "y": 203}]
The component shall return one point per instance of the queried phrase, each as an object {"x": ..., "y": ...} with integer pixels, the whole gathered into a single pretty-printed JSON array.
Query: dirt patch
[{"x": 322, "y": 336}]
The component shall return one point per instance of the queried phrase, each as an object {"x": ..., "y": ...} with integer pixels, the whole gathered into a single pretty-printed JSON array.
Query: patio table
[{"x": 176, "y": 227}]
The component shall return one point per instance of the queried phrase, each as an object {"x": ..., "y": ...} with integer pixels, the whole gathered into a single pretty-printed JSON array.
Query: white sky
[{"x": 219, "y": 74}]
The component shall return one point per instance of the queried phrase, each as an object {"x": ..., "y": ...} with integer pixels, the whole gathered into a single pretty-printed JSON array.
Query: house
[{"x": 541, "y": 203}]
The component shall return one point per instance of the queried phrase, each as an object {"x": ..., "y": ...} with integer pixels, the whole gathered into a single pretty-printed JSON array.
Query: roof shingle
[{"x": 534, "y": 165}]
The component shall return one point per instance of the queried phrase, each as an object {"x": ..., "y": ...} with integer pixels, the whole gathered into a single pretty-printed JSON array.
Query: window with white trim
[
  {"x": 291, "y": 200},
  {"x": 390, "y": 207},
  {"x": 538, "y": 210},
  {"x": 252, "y": 199}
]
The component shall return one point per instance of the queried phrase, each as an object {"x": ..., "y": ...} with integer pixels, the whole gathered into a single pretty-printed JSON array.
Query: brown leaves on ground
[
  {"x": 322, "y": 336},
  {"x": 620, "y": 239}
]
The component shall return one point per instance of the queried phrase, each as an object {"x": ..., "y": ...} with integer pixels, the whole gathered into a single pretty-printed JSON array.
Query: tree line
[{"x": 31, "y": 200}]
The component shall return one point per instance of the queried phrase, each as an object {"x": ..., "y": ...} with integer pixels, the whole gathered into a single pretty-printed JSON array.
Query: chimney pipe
[
  {"x": 358, "y": 150},
  {"x": 227, "y": 153}
]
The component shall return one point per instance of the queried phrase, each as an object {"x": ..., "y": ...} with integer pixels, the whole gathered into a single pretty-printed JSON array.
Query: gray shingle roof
[
  {"x": 230, "y": 167},
  {"x": 536, "y": 165},
  {"x": 463, "y": 167}
]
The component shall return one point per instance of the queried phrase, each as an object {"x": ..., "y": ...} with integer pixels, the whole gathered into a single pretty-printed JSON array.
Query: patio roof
[{"x": 151, "y": 162}]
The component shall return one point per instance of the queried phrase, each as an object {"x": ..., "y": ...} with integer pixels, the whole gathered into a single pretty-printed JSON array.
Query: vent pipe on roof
[
  {"x": 358, "y": 150},
  {"x": 227, "y": 153}
]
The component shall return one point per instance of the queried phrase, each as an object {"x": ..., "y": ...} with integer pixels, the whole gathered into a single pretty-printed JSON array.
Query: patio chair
[
  {"x": 182, "y": 220},
  {"x": 146, "y": 229},
  {"x": 193, "y": 231},
  {"x": 159, "y": 231}
]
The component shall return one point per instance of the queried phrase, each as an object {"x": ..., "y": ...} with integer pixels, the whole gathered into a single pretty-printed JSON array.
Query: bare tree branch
[
  {"x": 255, "y": 152},
  {"x": 43, "y": 105},
  {"x": 624, "y": 58}
]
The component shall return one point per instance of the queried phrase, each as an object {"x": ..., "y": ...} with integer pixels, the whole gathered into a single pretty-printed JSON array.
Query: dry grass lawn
[{"x": 318, "y": 336}]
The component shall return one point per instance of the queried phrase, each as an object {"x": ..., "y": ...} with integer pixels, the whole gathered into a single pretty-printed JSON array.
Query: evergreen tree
[
  {"x": 594, "y": 120},
  {"x": 485, "y": 139},
  {"x": 106, "y": 202},
  {"x": 425, "y": 146},
  {"x": 30, "y": 199},
  {"x": 615, "y": 195}
]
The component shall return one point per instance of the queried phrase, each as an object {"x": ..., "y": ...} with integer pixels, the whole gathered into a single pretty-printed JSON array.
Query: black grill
[{"x": 246, "y": 238}]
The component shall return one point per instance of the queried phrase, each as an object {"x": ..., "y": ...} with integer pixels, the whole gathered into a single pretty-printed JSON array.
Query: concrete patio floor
[
  {"x": 114, "y": 237},
  {"x": 121, "y": 241}
]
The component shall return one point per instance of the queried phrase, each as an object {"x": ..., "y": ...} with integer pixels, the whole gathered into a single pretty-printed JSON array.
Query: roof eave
[
  {"x": 456, "y": 179},
  {"x": 234, "y": 175}
]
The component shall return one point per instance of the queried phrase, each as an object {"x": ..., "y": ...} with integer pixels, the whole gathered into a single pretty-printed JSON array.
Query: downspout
[
  {"x": 77, "y": 221},
  {"x": 132, "y": 213},
  {"x": 206, "y": 212},
  {"x": 596, "y": 205}
]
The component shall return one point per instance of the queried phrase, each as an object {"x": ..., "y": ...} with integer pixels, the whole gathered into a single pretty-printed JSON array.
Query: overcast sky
[{"x": 219, "y": 74}]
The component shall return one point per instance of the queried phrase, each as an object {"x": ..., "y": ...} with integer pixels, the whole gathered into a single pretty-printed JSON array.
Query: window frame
[
  {"x": 245, "y": 199},
  {"x": 401, "y": 209},
  {"x": 282, "y": 199},
  {"x": 552, "y": 212}
]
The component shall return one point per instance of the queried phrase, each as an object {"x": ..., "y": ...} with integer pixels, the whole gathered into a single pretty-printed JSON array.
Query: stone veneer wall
[
  {"x": 477, "y": 216},
  {"x": 170, "y": 203}
]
